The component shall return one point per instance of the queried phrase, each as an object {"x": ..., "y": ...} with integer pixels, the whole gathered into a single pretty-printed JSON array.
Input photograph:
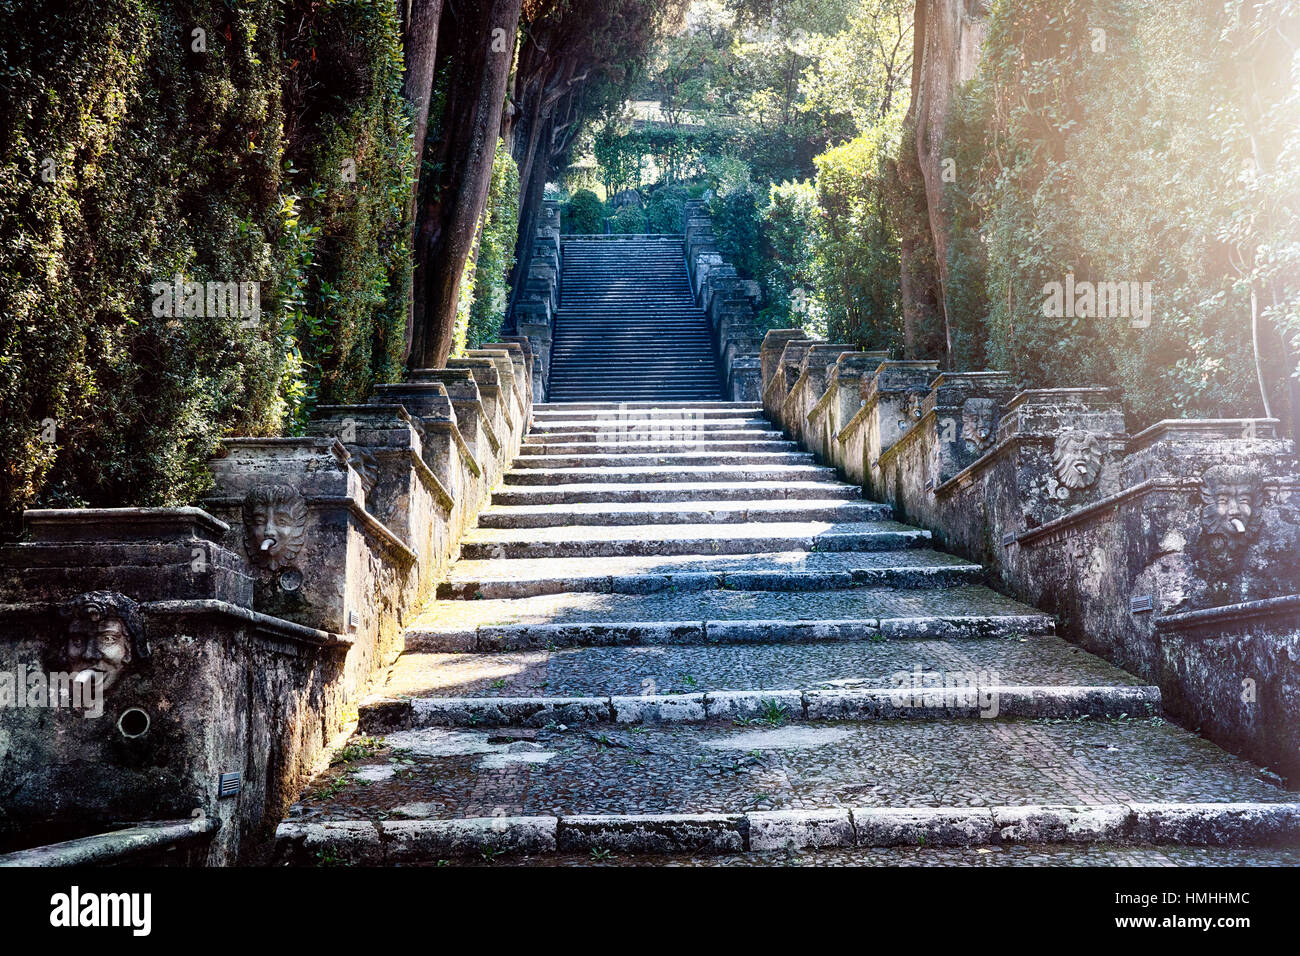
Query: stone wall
[
  {"x": 727, "y": 300},
  {"x": 1174, "y": 553},
  {"x": 533, "y": 313},
  {"x": 194, "y": 664}
]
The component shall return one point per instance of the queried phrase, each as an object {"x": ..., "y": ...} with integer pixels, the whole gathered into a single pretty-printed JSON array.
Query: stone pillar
[{"x": 400, "y": 489}]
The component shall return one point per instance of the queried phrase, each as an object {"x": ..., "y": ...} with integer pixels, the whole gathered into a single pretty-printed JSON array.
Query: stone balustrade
[
  {"x": 535, "y": 303},
  {"x": 1174, "y": 552},
  {"x": 728, "y": 301},
  {"x": 199, "y": 662}
]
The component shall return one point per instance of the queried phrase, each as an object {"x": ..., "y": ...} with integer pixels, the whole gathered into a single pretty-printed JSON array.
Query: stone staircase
[
  {"x": 628, "y": 327},
  {"x": 674, "y": 633}
]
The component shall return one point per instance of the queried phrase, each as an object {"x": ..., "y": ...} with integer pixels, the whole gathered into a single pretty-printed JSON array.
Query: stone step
[
  {"x": 602, "y": 541},
  {"x": 543, "y": 410},
  {"x": 687, "y": 669},
  {"x": 677, "y": 491},
  {"x": 965, "y": 702},
  {"x": 683, "y": 512},
  {"x": 665, "y": 392},
  {"x": 678, "y": 473},
  {"x": 742, "y": 423},
  {"x": 1169, "y": 832},
  {"x": 722, "y": 617},
  {"x": 630, "y": 458},
  {"x": 772, "y": 571},
  {"x": 720, "y": 787},
  {"x": 632, "y": 446},
  {"x": 615, "y": 432}
]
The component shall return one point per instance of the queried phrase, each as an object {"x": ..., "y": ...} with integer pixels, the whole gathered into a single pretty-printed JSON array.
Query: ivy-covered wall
[
  {"x": 145, "y": 143},
  {"x": 1105, "y": 141}
]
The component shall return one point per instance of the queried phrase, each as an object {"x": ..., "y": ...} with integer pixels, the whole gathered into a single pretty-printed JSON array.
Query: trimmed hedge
[{"x": 145, "y": 140}]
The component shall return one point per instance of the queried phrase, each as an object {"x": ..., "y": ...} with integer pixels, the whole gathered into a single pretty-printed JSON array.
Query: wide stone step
[
  {"x": 686, "y": 670},
  {"x": 432, "y": 793},
  {"x": 677, "y": 473},
  {"x": 772, "y": 571},
  {"x": 545, "y": 410},
  {"x": 630, "y": 431},
  {"x": 600, "y": 541},
  {"x": 964, "y": 702},
  {"x": 623, "y": 459},
  {"x": 640, "y": 416},
  {"x": 677, "y": 491},
  {"x": 722, "y": 617},
  {"x": 653, "y": 447},
  {"x": 683, "y": 512},
  {"x": 560, "y": 394}
]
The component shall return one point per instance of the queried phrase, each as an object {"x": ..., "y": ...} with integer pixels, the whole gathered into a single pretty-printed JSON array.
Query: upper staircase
[{"x": 628, "y": 328}]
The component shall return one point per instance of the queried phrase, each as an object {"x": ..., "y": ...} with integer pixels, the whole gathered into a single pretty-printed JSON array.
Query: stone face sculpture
[
  {"x": 1230, "y": 501},
  {"x": 979, "y": 418},
  {"x": 1076, "y": 456},
  {"x": 275, "y": 525},
  {"x": 105, "y": 635}
]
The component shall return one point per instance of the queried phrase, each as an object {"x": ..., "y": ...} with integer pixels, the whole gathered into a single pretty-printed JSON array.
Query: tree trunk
[
  {"x": 419, "y": 45},
  {"x": 476, "y": 47}
]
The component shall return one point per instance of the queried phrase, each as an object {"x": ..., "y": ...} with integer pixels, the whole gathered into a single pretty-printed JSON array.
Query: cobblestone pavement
[
  {"x": 444, "y": 773},
  {"x": 667, "y": 669}
]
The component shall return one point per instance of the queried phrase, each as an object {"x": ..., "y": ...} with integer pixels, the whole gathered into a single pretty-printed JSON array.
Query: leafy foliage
[
  {"x": 583, "y": 214},
  {"x": 488, "y": 295},
  {"x": 135, "y": 151},
  {"x": 1201, "y": 201}
]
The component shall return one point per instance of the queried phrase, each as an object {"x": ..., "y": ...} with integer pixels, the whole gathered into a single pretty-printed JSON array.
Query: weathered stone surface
[
  {"x": 799, "y": 829},
  {"x": 415, "y": 841},
  {"x": 929, "y": 826},
  {"x": 661, "y": 833},
  {"x": 1079, "y": 824}
]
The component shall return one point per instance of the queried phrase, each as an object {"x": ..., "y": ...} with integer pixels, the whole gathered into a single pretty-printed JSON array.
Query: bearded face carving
[
  {"x": 979, "y": 418},
  {"x": 104, "y": 636},
  {"x": 1230, "y": 501},
  {"x": 275, "y": 525},
  {"x": 1076, "y": 456}
]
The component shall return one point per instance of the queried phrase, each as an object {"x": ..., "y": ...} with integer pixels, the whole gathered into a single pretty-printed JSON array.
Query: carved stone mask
[
  {"x": 1230, "y": 500},
  {"x": 275, "y": 525},
  {"x": 979, "y": 418},
  {"x": 1076, "y": 456},
  {"x": 104, "y": 636}
]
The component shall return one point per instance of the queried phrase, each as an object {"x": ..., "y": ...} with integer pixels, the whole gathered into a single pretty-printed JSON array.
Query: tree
[{"x": 475, "y": 53}]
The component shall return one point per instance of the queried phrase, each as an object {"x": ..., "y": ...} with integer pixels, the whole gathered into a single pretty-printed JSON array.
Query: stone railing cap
[
  {"x": 1083, "y": 395},
  {"x": 1202, "y": 429},
  {"x": 775, "y": 339},
  {"x": 110, "y": 525}
]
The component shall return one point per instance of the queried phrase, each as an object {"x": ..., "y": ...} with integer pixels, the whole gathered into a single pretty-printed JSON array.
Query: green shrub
[
  {"x": 628, "y": 220},
  {"x": 666, "y": 209},
  {"x": 583, "y": 214},
  {"x": 132, "y": 154}
]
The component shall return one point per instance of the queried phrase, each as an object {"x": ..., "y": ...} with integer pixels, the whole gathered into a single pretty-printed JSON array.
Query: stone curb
[
  {"x": 667, "y": 547},
  {"x": 380, "y": 715},
  {"x": 520, "y": 637},
  {"x": 469, "y": 588},
  {"x": 409, "y": 841}
]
